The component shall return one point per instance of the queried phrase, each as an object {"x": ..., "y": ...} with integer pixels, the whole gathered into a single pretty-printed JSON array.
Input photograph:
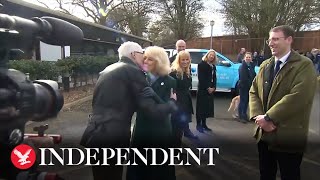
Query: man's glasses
[
  {"x": 274, "y": 39},
  {"x": 138, "y": 52}
]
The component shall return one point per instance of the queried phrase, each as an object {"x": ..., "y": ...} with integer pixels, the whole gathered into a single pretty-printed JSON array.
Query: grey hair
[{"x": 127, "y": 48}]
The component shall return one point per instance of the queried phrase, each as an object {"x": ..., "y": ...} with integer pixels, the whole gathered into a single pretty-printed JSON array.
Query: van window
[
  {"x": 196, "y": 57},
  {"x": 220, "y": 59},
  {"x": 168, "y": 52}
]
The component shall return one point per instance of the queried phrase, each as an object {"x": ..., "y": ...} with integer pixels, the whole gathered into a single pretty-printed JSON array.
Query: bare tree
[
  {"x": 60, "y": 6},
  {"x": 257, "y": 17},
  {"x": 179, "y": 19},
  {"x": 131, "y": 16},
  {"x": 161, "y": 34}
]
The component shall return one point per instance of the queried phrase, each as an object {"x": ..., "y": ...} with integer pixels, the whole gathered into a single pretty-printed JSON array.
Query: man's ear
[{"x": 290, "y": 39}]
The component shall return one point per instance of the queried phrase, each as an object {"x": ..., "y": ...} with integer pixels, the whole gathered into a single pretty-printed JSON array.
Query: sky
[
  {"x": 206, "y": 16},
  {"x": 211, "y": 14}
]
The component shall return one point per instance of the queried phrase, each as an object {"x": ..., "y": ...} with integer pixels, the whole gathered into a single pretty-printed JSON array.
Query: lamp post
[{"x": 211, "y": 24}]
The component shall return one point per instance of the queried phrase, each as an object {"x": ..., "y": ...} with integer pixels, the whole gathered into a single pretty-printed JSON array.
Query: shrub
[
  {"x": 71, "y": 66},
  {"x": 36, "y": 69}
]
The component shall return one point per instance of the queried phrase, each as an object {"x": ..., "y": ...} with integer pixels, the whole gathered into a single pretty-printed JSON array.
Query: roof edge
[{"x": 57, "y": 13}]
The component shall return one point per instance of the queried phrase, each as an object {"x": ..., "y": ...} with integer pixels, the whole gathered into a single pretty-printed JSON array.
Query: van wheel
[{"x": 235, "y": 91}]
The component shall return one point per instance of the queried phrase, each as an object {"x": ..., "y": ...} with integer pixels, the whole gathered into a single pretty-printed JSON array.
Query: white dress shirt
[{"x": 283, "y": 60}]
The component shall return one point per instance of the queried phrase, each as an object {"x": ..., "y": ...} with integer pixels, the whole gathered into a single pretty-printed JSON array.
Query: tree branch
[
  {"x": 89, "y": 12},
  {"x": 44, "y": 4}
]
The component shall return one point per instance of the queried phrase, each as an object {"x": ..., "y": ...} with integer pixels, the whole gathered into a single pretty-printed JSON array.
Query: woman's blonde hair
[
  {"x": 161, "y": 57},
  {"x": 176, "y": 64},
  {"x": 205, "y": 57}
]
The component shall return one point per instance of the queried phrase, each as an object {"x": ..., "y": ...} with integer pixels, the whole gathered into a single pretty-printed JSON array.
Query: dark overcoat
[
  {"x": 184, "y": 99},
  {"x": 151, "y": 133},
  {"x": 206, "y": 78}
]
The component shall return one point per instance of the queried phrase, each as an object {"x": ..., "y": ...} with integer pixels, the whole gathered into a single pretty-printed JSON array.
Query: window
[
  {"x": 220, "y": 59},
  {"x": 196, "y": 57},
  {"x": 168, "y": 52}
]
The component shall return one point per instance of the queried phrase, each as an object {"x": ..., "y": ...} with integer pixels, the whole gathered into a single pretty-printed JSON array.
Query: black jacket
[
  {"x": 246, "y": 75},
  {"x": 205, "y": 101},
  {"x": 183, "y": 85},
  {"x": 206, "y": 76},
  {"x": 172, "y": 58},
  {"x": 121, "y": 90}
]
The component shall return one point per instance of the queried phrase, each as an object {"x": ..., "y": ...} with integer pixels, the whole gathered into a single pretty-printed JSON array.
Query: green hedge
[
  {"x": 36, "y": 69},
  {"x": 73, "y": 66}
]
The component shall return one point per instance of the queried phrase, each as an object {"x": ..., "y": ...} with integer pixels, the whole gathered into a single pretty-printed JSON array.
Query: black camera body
[{"x": 20, "y": 99}]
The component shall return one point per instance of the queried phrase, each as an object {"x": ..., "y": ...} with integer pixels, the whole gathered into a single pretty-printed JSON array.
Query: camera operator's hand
[{"x": 8, "y": 112}]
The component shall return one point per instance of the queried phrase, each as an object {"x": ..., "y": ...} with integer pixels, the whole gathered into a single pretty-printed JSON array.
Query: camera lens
[{"x": 48, "y": 99}]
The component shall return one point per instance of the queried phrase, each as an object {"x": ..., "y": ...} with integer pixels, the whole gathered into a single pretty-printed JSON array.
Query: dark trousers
[
  {"x": 201, "y": 121},
  {"x": 110, "y": 172},
  {"x": 179, "y": 127},
  {"x": 289, "y": 163},
  {"x": 7, "y": 169},
  {"x": 243, "y": 104},
  {"x": 142, "y": 172},
  {"x": 107, "y": 172}
]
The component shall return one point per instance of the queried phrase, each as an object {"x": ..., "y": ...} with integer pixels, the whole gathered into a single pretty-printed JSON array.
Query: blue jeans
[{"x": 244, "y": 101}]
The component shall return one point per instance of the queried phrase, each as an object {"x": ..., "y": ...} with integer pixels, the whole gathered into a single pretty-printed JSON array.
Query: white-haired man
[
  {"x": 121, "y": 90},
  {"x": 180, "y": 46}
]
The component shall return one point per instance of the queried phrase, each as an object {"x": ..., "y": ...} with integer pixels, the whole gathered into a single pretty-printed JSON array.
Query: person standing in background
[
  {"x": 261, "y": 58},
  {"x": 181, "y": 119},
  {"x": 180, "y": 46},
  {"x": 240, "y": 56},
  {"x": 246, "y": 76},
  {"x": 255, "y": 58},
  {"x": 317, "y": 59},
  {"x": 206, "y": 87}
]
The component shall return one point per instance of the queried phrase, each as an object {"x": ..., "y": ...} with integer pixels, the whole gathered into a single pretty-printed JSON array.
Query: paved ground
[{"x": 238, "y": 157}]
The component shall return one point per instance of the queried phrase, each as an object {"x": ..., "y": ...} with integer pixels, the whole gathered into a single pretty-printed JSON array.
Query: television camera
[{"x": 20, "y": 99}]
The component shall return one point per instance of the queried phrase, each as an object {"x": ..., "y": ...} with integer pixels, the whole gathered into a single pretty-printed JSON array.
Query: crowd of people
[
  {"x": 278, "y": 97},
  {"x": 258, "y": 58},
  {"x": 314, "y": 56}
]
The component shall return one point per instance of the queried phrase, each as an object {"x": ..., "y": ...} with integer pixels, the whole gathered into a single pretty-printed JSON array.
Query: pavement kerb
[{"x": 82, "y": 100}]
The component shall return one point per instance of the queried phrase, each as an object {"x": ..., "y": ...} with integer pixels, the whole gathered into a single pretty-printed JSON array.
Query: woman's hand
[
  {"x": 211, "y": 90},
  {"x": 173, "y": 95}
]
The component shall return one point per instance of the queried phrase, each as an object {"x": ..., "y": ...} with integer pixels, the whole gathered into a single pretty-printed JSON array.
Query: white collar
[{"x": 284, "y": 58}]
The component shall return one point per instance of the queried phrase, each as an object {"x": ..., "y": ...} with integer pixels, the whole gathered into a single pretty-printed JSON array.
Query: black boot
[
  {"x": 204, "y": 125},
  {"x": 199, "y": 126},
  {"x": 189, "y": 134},
  {"x": 200, "y": 129}
]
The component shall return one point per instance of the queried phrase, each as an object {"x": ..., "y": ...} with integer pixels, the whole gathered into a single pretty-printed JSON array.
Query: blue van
[{"x": 227, "y": 71}]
